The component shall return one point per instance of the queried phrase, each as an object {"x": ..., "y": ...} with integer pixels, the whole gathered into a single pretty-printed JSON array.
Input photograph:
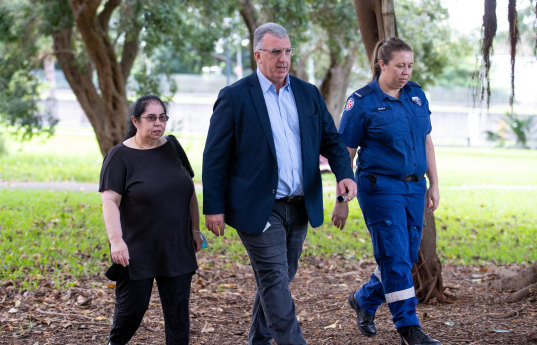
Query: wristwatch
[{"x": 341, "y": 198}]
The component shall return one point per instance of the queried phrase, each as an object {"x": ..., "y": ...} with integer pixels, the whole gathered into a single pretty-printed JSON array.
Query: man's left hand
[{"x": 348, "y": 187}]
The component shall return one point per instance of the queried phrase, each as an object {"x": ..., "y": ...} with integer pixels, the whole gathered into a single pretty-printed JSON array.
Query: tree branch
[
  {"x": 106, "y": 13},
  {"x": 131, "y": 45},
  {"x": 78, "y": 78},
  {"x": 101, "y": 52},
  {"x": 249, "y": 15}
]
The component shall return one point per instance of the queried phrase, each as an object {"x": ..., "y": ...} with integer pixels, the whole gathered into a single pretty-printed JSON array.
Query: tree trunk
[
  {"x": 107, "y": 106},
  {"x": 376, "y": 20},
  {"x": 249, "y": 15},
  {"x": 427, "y": 272},
  {"x": 79, "y": 79},
  {"x": 335, "y": 84}
]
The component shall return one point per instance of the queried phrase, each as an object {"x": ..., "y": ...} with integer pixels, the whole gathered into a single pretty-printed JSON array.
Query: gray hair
[{"x": 268, "y": 28}]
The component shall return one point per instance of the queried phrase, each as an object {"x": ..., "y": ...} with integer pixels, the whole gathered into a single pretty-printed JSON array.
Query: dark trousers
[
  {"x": 274, "y": 257},
  {"x": 132, "y": 300}
]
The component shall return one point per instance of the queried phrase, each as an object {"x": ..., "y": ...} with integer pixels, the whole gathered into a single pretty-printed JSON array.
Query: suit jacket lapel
[{"x": 261, "y": 109}]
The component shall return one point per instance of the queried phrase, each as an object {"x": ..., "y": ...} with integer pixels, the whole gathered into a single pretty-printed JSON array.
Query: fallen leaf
[
  {"x": 83, "y": 301},
  {"x": 228, "y": 285},
  {"x": 332, "y": 326},
  {"x": 207, "y": 329}
]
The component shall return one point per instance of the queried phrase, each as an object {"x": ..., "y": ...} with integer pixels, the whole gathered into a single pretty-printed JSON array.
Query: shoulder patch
[
  {"x": 413, "y": 84},
  {"x": 364, "y": 91},
  {"x": 349, "y": 104}
]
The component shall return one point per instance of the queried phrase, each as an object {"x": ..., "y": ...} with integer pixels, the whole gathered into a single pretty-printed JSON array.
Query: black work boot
[
  {"x": 413, "y": 335},
  {"x": 365, "y": 321}
]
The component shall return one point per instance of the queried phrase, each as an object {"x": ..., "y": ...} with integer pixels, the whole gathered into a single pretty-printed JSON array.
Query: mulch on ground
[{"x": 222, "y": 295}]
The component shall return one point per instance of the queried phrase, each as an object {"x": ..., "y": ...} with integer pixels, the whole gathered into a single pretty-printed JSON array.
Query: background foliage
[{"x": 187, "y": 35}]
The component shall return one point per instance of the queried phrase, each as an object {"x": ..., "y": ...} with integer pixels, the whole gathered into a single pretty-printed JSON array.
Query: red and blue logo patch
[{"x": 350, "y": 104}]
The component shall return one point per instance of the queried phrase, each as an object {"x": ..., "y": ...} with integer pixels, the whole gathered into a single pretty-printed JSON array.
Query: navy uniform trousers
[{"x": 393, "y": 211}]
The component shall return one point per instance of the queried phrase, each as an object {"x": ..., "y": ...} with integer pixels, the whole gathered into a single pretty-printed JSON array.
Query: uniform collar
[{"x": 382, "y": 95}]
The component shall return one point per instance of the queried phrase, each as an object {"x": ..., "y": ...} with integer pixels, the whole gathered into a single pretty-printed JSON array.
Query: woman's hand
[
  {"x": 433, "y": 198},
  {"x": 340, "y": 214},
  {"x": 198, "y": 240},
  {"x": 120, "y": 252}
]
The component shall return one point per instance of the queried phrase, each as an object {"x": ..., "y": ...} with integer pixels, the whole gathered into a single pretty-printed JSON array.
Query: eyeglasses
[
  {"x": 153, "y": 118},
  {"x": 278, "y": 52}
]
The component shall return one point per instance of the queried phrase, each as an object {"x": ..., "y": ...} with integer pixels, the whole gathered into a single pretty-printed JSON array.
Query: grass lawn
[
  {"x": 71, "y": 155},
  {"x": 55, "y": 234},
  {"x": 487, "y": 211}
]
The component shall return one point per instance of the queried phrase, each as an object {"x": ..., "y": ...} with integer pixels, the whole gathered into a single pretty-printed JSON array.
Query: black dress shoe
[
  {"x": 365, "y": 321},
  {"x": 413, "y": 335}
]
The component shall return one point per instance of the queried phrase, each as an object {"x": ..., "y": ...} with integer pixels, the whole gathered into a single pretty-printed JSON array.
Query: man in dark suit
[{"x": 261, "y": 176}]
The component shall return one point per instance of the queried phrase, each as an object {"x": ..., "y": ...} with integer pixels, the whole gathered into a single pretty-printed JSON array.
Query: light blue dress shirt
[{"x": 283, "y": 117}]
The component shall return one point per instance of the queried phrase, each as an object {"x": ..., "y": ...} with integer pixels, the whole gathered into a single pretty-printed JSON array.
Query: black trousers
[{"x": 132, "y": 300}]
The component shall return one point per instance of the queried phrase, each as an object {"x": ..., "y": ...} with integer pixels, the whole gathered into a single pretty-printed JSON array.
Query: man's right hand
[{"x": 215, "y": 223}]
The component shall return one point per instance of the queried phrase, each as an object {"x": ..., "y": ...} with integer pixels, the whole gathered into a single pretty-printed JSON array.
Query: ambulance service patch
[{"x": 350, "y": 104}]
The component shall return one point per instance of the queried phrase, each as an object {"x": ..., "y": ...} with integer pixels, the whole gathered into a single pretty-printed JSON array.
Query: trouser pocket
[
  {"x": 383, "y": 236},
  {"x": 414, "y": 241}
]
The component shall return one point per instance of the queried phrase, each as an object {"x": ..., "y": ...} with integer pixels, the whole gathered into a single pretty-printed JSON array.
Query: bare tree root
[
  {"x": 514, "y": 283},
  {"x": 522, "y": 293},
  {"x": 427, "y": 272},
  {"x": 533, "y": 337},
  {"x": 505, "y": 316},
  {"x": 428, "y": 281}
]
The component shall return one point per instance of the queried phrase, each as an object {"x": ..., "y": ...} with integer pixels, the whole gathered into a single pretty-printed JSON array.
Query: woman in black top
[{"x": 151, "y": 216}]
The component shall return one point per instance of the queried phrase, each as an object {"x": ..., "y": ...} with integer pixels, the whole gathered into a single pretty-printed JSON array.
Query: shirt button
[{"x": 274, "y": 191}]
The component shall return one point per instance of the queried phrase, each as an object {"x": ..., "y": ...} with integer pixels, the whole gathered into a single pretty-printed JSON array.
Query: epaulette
[
  {"x": 363, "y": 91},
  {"x": 413, "y": 83}
]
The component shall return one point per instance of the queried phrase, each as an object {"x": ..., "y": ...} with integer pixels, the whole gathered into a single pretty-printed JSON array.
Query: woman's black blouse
[{"x": 155, "y": 209}]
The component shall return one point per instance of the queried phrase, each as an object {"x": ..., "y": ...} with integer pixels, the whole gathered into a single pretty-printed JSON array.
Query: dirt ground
[{"x": 222, "y": 295}]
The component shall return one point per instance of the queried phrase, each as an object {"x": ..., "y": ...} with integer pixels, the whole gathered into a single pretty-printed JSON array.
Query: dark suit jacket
[{"x": 240, "y": 170}]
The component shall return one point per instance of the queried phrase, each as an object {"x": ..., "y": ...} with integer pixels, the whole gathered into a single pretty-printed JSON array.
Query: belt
[
  {"x": 291, "y": 199},
  {"x": 413, "y": 178}
]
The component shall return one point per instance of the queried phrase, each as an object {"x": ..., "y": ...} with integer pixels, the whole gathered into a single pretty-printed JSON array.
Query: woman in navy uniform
[{"x": 389, "y": 119}]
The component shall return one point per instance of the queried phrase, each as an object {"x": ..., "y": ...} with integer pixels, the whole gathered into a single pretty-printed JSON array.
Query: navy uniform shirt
[{"x": 390, "y": 132}]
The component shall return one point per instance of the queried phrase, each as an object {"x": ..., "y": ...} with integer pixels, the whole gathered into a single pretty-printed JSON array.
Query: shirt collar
[{"x": 267, "y": 84}]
